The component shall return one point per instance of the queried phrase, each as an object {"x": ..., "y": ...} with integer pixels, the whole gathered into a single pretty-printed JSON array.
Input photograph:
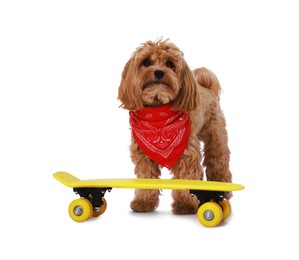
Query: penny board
[{"x": 130, "y": 183}]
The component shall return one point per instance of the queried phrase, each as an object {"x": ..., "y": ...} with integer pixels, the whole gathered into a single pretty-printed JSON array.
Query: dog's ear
[
  {"x": 128, "y": 93},
  {"x": 188, "y": 97}
]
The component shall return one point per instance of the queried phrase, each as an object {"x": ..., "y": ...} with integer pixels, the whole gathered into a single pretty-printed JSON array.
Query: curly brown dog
[{"x": 172, "y": 110}]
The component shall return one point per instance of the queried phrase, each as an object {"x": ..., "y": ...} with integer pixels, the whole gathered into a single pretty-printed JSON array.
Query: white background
[{"x": 60, "y": 67}]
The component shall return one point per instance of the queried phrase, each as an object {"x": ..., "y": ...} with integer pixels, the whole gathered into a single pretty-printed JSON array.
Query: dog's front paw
[
  {"x": 145, "y": 201},
  {"x": 143, "y": 206},
  {"x": 184, "y": 203},
  {"x": 180, "y": 208}
]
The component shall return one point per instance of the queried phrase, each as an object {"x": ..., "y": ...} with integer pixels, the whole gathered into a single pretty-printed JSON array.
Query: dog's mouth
[
  {"x": 157, "y": 93},
  {"x": 154, "y": 83},
  {"x": 154, "y": 103}
]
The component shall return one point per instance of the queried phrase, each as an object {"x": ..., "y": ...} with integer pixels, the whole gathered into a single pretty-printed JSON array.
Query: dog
[{"x": 172, "y": 111}]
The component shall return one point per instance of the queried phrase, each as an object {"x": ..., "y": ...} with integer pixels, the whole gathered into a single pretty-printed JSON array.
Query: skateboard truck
[
  {"x": 94, "y": 195},
  {"x": 204, "y": 196}
]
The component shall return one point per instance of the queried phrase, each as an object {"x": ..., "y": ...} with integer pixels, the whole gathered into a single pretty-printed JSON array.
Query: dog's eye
[
  {"x": 170, "y": 64},
  {"x": 146, "y": 63}
]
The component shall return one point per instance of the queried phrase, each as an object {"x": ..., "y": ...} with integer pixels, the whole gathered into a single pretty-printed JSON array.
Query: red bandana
[{"x": 161, "y": 132}]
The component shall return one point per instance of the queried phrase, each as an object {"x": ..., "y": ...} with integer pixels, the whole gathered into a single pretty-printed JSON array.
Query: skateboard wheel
[
  {"x": 99, "y": 211},
  {"x": 80, "y": 210},
  {"x": 226, "y": 207},
  {"x": 210, "y": 214}
]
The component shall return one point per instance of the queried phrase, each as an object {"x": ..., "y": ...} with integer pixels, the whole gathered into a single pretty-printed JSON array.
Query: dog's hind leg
[{"x": 216, "y": 151}]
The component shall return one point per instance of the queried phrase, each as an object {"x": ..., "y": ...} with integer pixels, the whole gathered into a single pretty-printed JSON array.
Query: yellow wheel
[
  {"x": 80, "y": 210},
  {"x": 225, "y": 205},
  {"x": 99, "y": 211},
  {"x": 210, "y": 214}
]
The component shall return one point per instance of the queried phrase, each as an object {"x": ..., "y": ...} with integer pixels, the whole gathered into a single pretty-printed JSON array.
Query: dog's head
[{"x": 157, "y": 74}]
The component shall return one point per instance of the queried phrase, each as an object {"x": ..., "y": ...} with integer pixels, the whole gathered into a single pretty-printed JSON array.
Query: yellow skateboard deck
[{"x": 175, "y": 184}]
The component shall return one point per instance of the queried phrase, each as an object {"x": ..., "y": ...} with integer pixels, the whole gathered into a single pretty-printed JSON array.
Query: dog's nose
[{"x": 158, "y": 74}]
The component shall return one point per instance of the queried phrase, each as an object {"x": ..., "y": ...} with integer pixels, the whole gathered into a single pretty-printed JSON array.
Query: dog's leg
[
  {"x": 188, "y": 167},
  {"x": 216, "y": 151},
  {"x": 145, "y": 200}
]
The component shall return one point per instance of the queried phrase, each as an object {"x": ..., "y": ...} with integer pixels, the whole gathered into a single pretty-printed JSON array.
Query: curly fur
[{"x": 194, "y": 92}]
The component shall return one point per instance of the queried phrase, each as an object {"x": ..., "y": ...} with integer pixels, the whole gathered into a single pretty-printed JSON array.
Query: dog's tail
[{"x": 207, "y": 79}]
